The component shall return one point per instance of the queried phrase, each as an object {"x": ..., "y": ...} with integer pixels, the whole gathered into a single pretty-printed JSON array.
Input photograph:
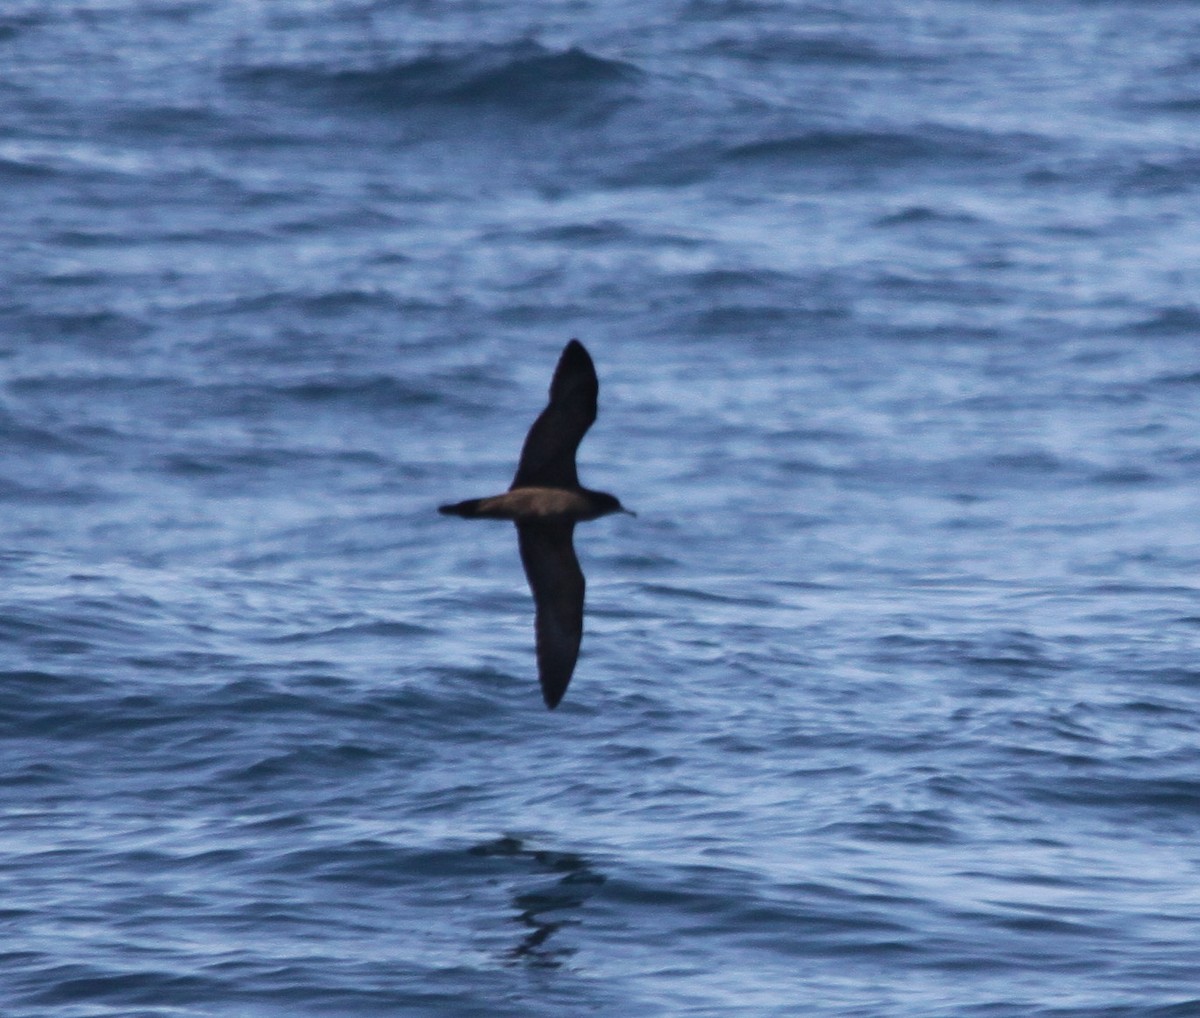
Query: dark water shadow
[{"x": 544, "y": 909}]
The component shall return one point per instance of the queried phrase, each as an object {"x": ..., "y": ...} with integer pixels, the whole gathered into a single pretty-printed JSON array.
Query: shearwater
[{"x": 545, "y": 501}]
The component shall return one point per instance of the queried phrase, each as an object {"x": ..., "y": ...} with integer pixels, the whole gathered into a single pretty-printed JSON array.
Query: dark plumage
[{"x": 545, "y": 501}]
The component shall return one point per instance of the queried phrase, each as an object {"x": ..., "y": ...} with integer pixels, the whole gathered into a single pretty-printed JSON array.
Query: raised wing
[
  {"x": 557, "y": 583},
  {"x": 548, "y": 456}
]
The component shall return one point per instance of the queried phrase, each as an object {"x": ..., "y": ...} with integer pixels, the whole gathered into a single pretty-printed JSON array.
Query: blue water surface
[{"x": 889, "y": 699}]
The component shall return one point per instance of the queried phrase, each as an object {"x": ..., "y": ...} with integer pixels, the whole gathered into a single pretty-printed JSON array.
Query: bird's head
[{"x": 604, "y": 504}]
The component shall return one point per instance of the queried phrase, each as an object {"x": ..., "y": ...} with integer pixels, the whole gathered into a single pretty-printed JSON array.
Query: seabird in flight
[{"x": 545, "y": 501}]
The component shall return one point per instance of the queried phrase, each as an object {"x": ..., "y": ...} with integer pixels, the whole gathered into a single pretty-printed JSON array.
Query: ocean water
[{"x": 889, "y": 700}]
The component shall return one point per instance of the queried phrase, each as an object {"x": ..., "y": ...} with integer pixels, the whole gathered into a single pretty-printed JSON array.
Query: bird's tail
[{"x": 466, "y": 510}]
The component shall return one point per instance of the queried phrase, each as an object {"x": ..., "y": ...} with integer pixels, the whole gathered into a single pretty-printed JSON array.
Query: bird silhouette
[{"x": 545, "y": 501}]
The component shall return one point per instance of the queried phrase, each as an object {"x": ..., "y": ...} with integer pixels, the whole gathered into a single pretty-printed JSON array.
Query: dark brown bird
[{"x": 545, "y": 501}]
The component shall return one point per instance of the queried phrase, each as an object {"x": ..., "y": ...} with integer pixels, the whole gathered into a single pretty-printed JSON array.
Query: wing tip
[
  {"x": 553, "y": 695},
  {"x": 575, "y": 357},
  {"x": 554, "y": 676}
]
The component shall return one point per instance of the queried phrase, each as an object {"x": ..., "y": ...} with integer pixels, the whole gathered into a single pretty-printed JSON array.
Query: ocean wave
[
  {"x": 12, "y": 25},
  {"x": 913, "y": 215},
  {"x": 883, "y": 824},
  {"x": 368, "y": 630},
  {"x": 524, "y": 78},
  {"x": 1180, "y": 320},
  {"x": 1162, "y": 177},
  {"x": 693, "y": 902},
  {"x": 822, "y": 150},
  {"x": 307, "y": 304},
  {"x": 73, "y": 985},
  {"x": 99, "y": 328},
  {"x": 20, "y": 171},
  {"x": 15, "y": 434},
  {"x": 883, "y": 148},
  {"x": 792, "y": 48},
  {"x": 16, "y": 493}
]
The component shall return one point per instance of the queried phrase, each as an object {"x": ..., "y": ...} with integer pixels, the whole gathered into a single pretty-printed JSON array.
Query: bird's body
[
  {"x": 545, "y": 501},
  {"x": 533, "y": 505}
]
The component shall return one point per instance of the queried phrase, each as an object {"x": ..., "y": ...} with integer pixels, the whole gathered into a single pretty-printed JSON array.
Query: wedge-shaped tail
[{"x": 467, "y": 510}]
